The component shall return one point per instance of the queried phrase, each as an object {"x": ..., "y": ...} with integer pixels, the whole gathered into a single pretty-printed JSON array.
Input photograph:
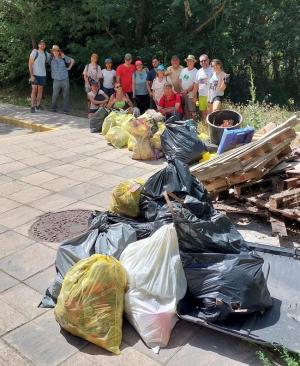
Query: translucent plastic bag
[
  {"x": 117, "y": 136},
  {"x": 91, "y": 301},
  {"x": 156, "y": 283},
  {"x": 125, "y": 198},
  {"x": 143, "y": 149},
  {"x": 155, "y": 140},
  {"x": 131, "y": 143},
  {"x": 140, "y": 127},
  {"x": 109, "y": 121}
]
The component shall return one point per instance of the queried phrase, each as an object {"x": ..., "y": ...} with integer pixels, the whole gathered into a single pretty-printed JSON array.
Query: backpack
[
  {"x": 87, "y": 69},
  {"x": 50, "y": 58}
]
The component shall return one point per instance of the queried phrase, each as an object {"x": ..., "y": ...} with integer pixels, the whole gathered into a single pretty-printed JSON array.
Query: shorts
[
  {"x": 202, "y": 103},
  {"x": 92, "y": 110},
  {"x": 108, "y": 91},
  {"x": 39, "y": 80},
  {"x": 189, "y": 104},
  {"x": 218, "y": 98}
]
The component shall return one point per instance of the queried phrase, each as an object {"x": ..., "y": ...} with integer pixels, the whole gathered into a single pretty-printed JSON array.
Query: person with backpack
[
  {"x": 92, "y": 71},
  {"x": 60, "y": 67},
  {"x": 170, "y": 103},
  {"x": 97, "y": 97},
  {"x": 37, "y": 70},
  {"x": 140, "y": 87}
]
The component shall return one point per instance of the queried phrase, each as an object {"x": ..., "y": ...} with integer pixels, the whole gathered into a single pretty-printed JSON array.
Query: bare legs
[{"x": 36, "y": 95}]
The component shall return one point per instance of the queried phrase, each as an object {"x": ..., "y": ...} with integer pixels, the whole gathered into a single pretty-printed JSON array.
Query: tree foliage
[{"x": 263, "y": 35}]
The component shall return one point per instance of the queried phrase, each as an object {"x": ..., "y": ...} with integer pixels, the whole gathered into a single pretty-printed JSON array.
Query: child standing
[{"x": 109, "y": 77}]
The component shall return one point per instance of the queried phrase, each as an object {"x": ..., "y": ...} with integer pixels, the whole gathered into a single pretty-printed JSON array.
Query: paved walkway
[{"x": 70, "y": 168}]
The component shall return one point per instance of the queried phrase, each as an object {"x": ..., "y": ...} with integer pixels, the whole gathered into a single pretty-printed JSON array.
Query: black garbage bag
[
  {"x": 180, "y": 141},
  {"x": 175, "y": 178},
  {"x": 226, "y": 285},
  {"x": 213, "y": 234},
  {"x": 96, "y": 120},
  {"x": 103, "y": 238}
]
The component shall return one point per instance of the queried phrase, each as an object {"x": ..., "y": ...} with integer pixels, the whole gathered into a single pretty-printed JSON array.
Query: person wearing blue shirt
[
  {"x": 60, "y": 67},
  {"x": 140, "y": 87}
]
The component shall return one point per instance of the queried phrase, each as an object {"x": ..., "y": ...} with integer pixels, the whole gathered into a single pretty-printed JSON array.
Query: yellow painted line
[{"x": 26, "y": 124}]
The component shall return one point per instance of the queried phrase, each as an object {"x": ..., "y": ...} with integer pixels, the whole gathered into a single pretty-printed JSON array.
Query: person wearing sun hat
[
  {"x": 124, "y": 74},
  {"x": 187, "y": 78},
  {"x": 140, "y": 87},
  {"x": 158, "y": 84},
  {"x": 60, "y": 66},
  {"x": 109, "y": 77}
]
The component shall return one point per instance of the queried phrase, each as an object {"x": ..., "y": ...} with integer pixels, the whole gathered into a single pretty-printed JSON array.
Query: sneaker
[
  {"x": 39, "y": 108},
  {"x": 32, "y": 110}
]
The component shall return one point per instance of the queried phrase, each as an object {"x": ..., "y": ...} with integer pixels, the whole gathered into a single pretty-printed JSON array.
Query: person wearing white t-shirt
[
  {"x": 187, "y": 78},
  {"x": 217, "y": 85},
  {"x": 109, "y": 77},
  {"x": 201, "y": 84},
  {"x": 92, "y": 72}
]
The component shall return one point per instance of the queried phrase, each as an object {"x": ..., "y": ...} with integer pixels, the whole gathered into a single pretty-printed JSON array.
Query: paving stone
[
  {"x": 60, "y": 184},
  {"x": 33, "y": 161},
  {"x": 89, "y": 162},
  {"x": 9, "y": 356},
  {"x": 28, "y": 261},
  {"x": 3, "y": 229},
  {"x": 49, "y": 164},
  {"x": 81, "y": 205},
  {"x": 84, "y": 174},
  {"x": 52, "y": 202},
  {"x": 30, "y": 194},
  {"x": 107, "y": 180},
  {"x": 93, "y": 355},
  {"x": 17, "y": 174},
  {"x": 82, "y": 191},
  {"x": 19, "y": 216},
  {"x": 6, "y": 281},
  {"x": 111, "y": 167},
  {"x": 63, "y": 170},
  {"x": 9, "y": 318},
  {"x": 12, "y": 187},
  {"x": 102, "y": 199},
  {"x": 42, "y": 280},
  {"x": 180, "y": 335},
  {"x": 72, "y": 158},
  {"x": 24, "y": 154},
  {"x": 6, "y": 204},
  {"x": 11, "y": 242},
  {"x": 24, "y": 229},
  {"x": 213, "y": 349},
  {"x": 43, "y": 342},
  {"x": 5, "y": 159},
  {"x": 23, "y": 299},
  {"x": 5, "y": 178},
  {"x": 129, "y": 172},
  {"x": 38, "y": 178},
  {"x": 10, "y": 167}
]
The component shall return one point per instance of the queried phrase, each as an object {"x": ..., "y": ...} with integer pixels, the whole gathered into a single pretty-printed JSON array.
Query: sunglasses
[
  {"x": 204, "y": 60},
  {"x": 118, "y": 87}
]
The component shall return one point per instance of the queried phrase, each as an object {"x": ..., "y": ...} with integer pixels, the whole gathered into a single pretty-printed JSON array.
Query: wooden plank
[
  {"x": 285, "y": 199},
  {"x": 292, "y": 183},
  {"x": 249, "y": 210},
  {"x": 278, "y": 226}
]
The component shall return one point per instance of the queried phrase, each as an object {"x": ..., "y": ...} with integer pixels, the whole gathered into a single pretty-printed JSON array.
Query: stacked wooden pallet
[{"x": 248, "y": 162}]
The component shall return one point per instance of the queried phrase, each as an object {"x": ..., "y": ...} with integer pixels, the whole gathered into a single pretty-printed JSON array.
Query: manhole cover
[{"x": 58, "y": 226}]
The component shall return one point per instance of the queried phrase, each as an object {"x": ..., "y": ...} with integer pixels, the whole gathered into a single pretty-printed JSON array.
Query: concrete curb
[{"x": 26, "y": 124}]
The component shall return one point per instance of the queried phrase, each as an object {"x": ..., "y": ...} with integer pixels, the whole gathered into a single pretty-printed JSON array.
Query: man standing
[
  {"x": 201, "y": 84},
  {"x": 173, "y": 72},
  {"x": 124, "y": 74},
  {"x": 151, "y": 75},
  {"x": 37, "y": 70},
  {"x": 187, "y": 78},
  {"x": 60, "y": 65}
]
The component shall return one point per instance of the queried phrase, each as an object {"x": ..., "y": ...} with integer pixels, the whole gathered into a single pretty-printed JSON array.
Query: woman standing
[
  {"x": 158, "y": 84},
  {"x": 217, "y": 85},
  {"x": 109, "y": 77},
  {"x": 140, "y": 87},
  {"x": 92, "y": 71}
]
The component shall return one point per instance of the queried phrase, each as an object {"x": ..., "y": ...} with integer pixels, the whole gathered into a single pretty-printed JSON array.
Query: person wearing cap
[
  {"x": 124, "y": 75},
  {"x": 170, "y": 103},
  {"x": 37, "y": 70},
  {"x": 187, "y": 78},
  {"x": 60, "y": 65},
  {"x": 109, "y": 77},
  {"x": 97, "y": 97},
  {"x": 158, "y": 84},
  {"x": 92, "y": 71},
  {"x": 174, "y": 71},
  {"x": 140, "y": 87},
  {"x": 201, "y": 85}
]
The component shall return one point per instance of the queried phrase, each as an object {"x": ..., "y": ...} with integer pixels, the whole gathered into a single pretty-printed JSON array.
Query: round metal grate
[{"x": 58, "y": 226}]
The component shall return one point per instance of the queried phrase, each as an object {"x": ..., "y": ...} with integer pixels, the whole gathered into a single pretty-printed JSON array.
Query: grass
[{"x": 287, "y": 358}]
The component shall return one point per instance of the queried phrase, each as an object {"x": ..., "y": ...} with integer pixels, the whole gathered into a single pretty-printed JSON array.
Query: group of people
[{"x": 175, "y": 90}]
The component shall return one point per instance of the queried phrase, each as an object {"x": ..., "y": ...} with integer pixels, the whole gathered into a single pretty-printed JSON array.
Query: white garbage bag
[{"x": 156, "y": 282}]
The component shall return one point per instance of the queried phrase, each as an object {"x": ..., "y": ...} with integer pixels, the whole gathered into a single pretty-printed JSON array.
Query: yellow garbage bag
[
  {"x": 109, "y": 121},
  {"x": 155, "y": 140},
  {"x": 207, "y": 156},
  {"x": 125, "y": 197},
  {"x": 139, "y": 127},
  {"x": 131, "y": 143},
  {"x": 117, "y": 136},
  {"x": 123, "y": 120},
  {"x": 143, "y": 149},
  {"x": 90, "y": 304}
]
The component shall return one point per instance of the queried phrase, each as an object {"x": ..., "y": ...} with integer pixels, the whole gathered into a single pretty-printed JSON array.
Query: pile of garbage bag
[{"x": 174, "y": 247}]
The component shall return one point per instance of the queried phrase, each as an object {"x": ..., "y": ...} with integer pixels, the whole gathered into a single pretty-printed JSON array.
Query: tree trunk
[{"x": 142, "y": 21}]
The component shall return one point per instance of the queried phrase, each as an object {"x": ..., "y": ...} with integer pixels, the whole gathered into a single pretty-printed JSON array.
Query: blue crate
[{"x": 233, "y": 138}]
